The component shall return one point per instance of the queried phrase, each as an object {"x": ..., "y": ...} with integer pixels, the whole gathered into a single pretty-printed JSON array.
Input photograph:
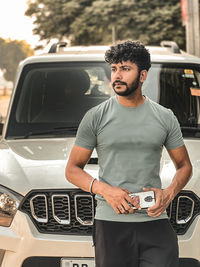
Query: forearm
[
  {"x": 79, "y": 177},
  {"x": 183, "y": 173},
  {"x": 181, "y": 178}
]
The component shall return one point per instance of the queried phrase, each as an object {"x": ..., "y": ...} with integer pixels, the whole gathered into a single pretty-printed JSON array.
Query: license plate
[{"x": 77, "y": 262}]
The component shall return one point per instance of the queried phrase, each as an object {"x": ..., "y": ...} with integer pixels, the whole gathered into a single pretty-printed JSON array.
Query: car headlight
[{"x": 9, "y": 203}]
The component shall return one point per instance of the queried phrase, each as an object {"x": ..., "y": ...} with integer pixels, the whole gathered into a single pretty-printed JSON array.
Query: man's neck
[{"x": 134, "y": 100}]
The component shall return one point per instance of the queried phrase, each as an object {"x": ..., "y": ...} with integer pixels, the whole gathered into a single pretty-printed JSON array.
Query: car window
[
  {"x": 61, "y": 94},
  {"x": 177, "y": 87}
]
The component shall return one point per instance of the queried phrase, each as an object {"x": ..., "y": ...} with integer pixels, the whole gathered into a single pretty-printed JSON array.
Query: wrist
[
  {"x": 99, "y": 188},
  {"x": 91, "y": 186},
  {"x": 170, "y": 191}
]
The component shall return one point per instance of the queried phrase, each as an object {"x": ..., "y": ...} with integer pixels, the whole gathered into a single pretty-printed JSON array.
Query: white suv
[{"x": 45, "y": 220}]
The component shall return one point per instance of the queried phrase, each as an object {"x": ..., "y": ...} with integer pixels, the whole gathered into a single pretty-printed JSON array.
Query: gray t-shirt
[{"x": 129, "y": 143}]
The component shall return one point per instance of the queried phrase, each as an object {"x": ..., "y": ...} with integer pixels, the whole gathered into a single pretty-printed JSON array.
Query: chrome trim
[
  {"x": 76, "y": 209},
  {"x": 64, "y": 222},
  {"x": 170, "y": 210},
  {"x": 43, "y": 220},
  {"x": 189, "y": 217}
]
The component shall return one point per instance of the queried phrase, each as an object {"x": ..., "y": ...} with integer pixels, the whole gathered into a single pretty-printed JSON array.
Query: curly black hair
[{"x": 134, "y": 51}]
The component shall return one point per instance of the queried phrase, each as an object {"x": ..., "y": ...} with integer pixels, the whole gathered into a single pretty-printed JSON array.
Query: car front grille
[
  {"x": 60, "y": 211},
  {"x": 72, "y": 211}
]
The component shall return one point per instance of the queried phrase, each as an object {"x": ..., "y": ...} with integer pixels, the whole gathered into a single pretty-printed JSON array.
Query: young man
[{"x": 129, "y": 132}]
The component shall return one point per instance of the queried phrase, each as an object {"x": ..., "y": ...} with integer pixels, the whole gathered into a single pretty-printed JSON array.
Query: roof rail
[
  {"x": 56, "y": 46},
  {"x": 171, "y": 45}
]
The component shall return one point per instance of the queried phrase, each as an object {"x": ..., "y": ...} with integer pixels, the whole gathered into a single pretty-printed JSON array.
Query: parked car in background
[{"x": 45, "y": 220}]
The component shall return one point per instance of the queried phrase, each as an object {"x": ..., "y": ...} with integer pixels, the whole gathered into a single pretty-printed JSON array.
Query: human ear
[{"x": 143, "y": 75}]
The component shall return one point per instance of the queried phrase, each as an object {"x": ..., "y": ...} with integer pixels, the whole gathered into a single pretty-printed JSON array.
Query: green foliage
[
  {"x": 11, "y": 53},
  {"x": 53, "y": 19},
  {"x": 87, "y": 22}
]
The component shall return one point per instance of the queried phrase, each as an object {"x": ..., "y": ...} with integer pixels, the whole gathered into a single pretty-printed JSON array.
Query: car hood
[
  {"x": 37, "y": 164},
  {"x": 40, "y": 164}
]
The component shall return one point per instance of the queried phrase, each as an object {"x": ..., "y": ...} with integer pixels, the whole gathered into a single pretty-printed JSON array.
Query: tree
[
  {"x": 11, "y": 53},
  {"x": 53, "y": 19},
  {"x": 87, "y": 22}
]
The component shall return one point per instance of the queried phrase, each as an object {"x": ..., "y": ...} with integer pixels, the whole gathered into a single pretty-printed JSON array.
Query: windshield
[
  {"x": 52, "y": 98},
  {"x": 56, "y": 96}
]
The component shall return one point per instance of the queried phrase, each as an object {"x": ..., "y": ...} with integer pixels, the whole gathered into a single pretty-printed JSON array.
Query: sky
[{"x": 14, "y": 24}]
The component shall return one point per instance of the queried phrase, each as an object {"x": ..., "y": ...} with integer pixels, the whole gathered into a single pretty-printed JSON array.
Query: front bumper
[
  {"x": 23, "y": 246},
  {"x": 22, "y": 241}
]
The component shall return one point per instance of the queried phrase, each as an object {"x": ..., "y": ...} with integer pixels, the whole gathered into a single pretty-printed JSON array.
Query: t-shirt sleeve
[
  {"x": 174, "y": 137},
  {"x": 86, "y": 135}
]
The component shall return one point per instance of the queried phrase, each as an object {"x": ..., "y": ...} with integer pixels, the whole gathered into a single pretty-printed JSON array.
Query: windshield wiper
[
  {"x": 192, "y": 128},
  {"x": 56, "y": 130},
  {"x": 191, "y": 131}
]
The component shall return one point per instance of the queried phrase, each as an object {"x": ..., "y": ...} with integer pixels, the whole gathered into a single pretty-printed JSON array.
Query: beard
[{"x": 129, "y": 90}]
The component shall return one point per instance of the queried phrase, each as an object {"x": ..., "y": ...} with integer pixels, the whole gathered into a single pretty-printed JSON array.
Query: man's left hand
[{"x": 163, "y": 200}]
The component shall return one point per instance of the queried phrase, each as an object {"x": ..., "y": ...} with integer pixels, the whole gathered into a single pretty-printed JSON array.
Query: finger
[
  {"x": 155, "y": 207},
  {"x": 117, "y": 210},
  {"x": 153, "y": 212},
  {"x": 127, "y": 207},
  {"x": 156, "y": 214},
  {"x": 131, "y": 210},
  {"x": 136, "y": 201},
  {"x": 147, "y": 189},
  {"x": 133, "y": 201},
  {"x": 122, "y": 210}
]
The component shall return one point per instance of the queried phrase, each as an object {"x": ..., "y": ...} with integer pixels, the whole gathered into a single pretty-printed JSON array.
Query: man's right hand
[{"x": 119, "y": 199}]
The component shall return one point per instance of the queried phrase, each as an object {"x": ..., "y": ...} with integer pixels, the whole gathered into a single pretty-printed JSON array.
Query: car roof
[{"x": 96, "y": 54}]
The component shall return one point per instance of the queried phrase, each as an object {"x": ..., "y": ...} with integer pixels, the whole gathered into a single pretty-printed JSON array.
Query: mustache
[{"x": 118, "y": 82}]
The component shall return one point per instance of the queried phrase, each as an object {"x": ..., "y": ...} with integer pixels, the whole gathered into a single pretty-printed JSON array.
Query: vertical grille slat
[
  {"x": 61, "y": 208},
  {"x": 183, "y": 210},
  {"x": 84, "y": 209},
  {"x": 38, "y": 208}
]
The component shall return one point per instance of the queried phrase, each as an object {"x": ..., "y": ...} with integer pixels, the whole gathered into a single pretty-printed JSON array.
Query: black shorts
[{"x": 135, "y": 244}]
